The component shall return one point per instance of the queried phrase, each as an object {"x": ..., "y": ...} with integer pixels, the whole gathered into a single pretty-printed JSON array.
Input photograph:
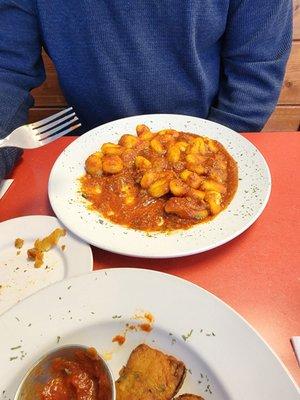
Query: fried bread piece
[
  {"x": 189, "y": 397},
  {"x": 150, "y": 375}
]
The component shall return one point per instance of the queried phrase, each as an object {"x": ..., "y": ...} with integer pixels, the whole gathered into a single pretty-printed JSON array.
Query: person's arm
[
  {"x": 21, "y": 69},
  {"x": 255, "y": 49}
]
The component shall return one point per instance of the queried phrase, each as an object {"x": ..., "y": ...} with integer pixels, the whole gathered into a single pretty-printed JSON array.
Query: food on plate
[
  {"x": 150, "y": 375},
  {"x": 36, "y": 254},
  {"x": 79, "y": 378},
  {"x": 19, "y": 243},
  {"x": 160, "y": 181}
]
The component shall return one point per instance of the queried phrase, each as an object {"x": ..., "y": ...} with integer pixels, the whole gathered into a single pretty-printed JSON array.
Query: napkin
[
  {"x": 296, "y": 346},
  {"x": 4, "y": 186}
]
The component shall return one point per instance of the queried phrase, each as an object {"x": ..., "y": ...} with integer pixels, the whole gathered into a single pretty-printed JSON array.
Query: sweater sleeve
[
  {"x": 21, "y": 69},
  {"x": 255, "y": 49}
]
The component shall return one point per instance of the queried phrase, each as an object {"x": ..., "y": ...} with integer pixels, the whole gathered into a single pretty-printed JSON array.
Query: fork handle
[{"x": 5, "y": 142}]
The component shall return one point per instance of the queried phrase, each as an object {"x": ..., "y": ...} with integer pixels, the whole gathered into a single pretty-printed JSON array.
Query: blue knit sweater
[{"x": 218, "y": 59}]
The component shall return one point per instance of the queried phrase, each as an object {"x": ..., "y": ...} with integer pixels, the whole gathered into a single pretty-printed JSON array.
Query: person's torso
[{"x": 116, "y": 58}]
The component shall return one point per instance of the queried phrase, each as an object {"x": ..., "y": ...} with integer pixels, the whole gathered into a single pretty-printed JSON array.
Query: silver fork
[{"x": 42, "y": 132}]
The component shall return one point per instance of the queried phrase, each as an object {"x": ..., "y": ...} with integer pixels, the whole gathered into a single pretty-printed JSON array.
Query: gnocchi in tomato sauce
[{"x": 160, "y": 181}]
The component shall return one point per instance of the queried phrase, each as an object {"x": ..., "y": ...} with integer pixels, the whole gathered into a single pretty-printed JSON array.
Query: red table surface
[{"x": 257, "y": 273}]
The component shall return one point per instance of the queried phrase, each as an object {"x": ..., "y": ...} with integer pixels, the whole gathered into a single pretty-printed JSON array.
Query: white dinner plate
[
  {"x": 71, "y": 208},
  {"x": 18, "y": 277},
  {"x": 226, "y": 359}
]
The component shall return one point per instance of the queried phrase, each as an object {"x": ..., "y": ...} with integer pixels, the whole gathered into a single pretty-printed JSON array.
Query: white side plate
[
  {"x": 18, "y": 277},
  {"x": 249, "y": 201}
]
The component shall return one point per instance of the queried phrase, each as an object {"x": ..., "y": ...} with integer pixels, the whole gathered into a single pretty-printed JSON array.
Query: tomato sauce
[{"x": 82, "y": 378}]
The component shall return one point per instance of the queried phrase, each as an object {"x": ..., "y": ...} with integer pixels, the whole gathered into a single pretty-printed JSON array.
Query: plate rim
[{"x": 176, "y": 253}]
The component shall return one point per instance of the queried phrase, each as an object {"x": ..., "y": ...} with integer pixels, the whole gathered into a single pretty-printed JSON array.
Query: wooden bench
[{"x": 286, "y": 117}]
